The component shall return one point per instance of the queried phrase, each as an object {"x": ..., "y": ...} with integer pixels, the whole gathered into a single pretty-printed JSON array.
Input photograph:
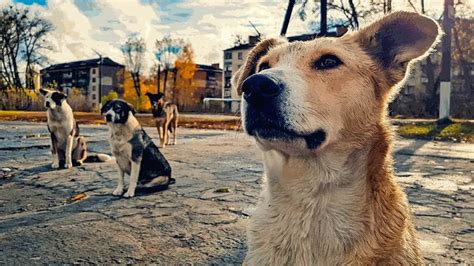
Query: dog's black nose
[
  {"x": 108, "y": 117},
  {"x": 47, "y": 104},
  {"x": 260, "y": 87}
]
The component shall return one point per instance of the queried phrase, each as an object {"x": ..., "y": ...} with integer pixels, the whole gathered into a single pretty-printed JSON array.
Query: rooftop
[
  {"x": 208, "y": 67},
  {"x": 303, "y": 37},
  {"x": 83, "y": 63}
]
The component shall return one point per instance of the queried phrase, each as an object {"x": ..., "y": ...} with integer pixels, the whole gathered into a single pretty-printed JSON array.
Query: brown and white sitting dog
[
  {"x": 67, "y": 146},
  {"x": 135, "y": 153},
  {"x": 166, "y": 117},
  {"x": 317, "y": 111}
]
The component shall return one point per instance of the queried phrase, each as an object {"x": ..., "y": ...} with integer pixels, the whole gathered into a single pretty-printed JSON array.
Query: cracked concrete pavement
[{"x": 197, "y": 220}]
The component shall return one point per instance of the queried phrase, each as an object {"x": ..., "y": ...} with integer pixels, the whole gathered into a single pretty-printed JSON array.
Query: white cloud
[
  {"x": 4, "y": 2},
  {"x": 211, "y": 26}
]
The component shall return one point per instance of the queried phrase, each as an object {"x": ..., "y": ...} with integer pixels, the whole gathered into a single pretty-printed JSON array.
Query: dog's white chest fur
[
  {"x": 307, "y": 215},
  {"x": 121, "y": 148},
  {"x": 61, "y": 124}
]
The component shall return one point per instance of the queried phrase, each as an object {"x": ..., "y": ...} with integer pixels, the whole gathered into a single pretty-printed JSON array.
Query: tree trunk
[
  {"x": 431, "y": 99},
  {"x": 166, "y": 79},
  {"x": 175, "y": 73},
  {"x": 136, "y": 83},
  {"x": 354, "y": 15},
  {"x": 158, "y": 79},
  {"x": 462, "y": 63}
]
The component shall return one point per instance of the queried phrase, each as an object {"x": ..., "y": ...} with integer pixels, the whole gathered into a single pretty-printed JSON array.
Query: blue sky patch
[{"x": 31, "y": 2}]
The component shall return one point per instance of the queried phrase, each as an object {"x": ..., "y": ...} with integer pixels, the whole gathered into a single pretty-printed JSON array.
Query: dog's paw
[
  {"x": 162, "y": 146},
  {"x": 175, "y": 142},
  {"x": 55, "y": 165},
  {"x": 129, "y": 194},
  {"x": 117, "y": 192},
  {"x": 68, "y": 165}
]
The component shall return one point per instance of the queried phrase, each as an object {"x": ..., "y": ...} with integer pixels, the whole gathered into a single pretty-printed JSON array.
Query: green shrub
[{"x": 112, "y": 95}]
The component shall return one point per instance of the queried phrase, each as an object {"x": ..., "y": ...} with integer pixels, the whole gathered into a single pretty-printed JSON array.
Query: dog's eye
[
  {"x": 327, "y": 62},
  {"x": 263, "y": 66}
]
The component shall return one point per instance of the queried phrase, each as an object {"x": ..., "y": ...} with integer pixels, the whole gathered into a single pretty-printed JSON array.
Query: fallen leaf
[
  {"x": 78, "y": 197},
  {"x": 222, "y": 190}
]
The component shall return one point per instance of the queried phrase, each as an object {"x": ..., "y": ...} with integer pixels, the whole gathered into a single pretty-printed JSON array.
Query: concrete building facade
[{"x": 88, "y": 76}]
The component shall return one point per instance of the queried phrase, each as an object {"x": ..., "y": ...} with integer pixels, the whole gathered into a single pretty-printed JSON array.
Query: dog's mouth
[{"x": 273, "y": 132}]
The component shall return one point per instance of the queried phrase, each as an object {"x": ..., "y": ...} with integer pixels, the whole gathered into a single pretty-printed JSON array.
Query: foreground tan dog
[
  {"x": 318, "y": 112},
  {"x": 166, "y": 117}
]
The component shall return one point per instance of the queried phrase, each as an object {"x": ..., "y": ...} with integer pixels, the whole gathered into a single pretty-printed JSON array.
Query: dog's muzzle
[
  {"x": 47, "y": 104},
  {"x": 108, "y": 118},
  {"x": 265, "y": 114},
  {"x": 260, "y": 88}
]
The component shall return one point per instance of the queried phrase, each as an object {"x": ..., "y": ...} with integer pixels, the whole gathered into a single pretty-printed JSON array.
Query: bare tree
[
  {"x": 352, "y": 12},
  {"x": 134, "y": 51},
  {"x": 463, "y": 31},
  {"x": 22, "y": 39},
  {"x": 33, "y": 43},
  {"x": 167, "y": 50}
]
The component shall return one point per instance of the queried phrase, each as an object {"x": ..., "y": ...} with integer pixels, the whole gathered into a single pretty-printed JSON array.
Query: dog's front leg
[
  {"x": 68, "y": 155},
  {"x": 135, "y": 171},
  {"x": 119, "y": 189},
  {"x": 174, "y": 134},
  {"x": 162, "y": 137},
  {"x": 166, "y": 133},
  {"x": 54, "y": 152}
]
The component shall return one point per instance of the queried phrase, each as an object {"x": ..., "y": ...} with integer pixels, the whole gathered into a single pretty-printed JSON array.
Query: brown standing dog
[
  {"x": 317, "y": 111},
  {"x": 166, "y": 118}
]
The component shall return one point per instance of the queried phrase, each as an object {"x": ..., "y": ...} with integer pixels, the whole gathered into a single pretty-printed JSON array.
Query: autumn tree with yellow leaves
[
  {"x": 140, "y": 102},
  {"x": 184, "y": 92}
]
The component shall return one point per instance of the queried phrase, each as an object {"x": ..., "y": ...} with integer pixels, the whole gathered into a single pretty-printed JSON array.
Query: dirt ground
[{"x": 202, "y": 218}]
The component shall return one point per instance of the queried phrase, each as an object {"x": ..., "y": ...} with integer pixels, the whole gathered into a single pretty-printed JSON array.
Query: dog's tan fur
[
  {"x": 167, "y": 122},
  {"x": 340, "y": 203}
]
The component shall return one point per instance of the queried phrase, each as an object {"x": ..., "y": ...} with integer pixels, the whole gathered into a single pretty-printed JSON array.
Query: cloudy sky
[{"x": 210, "y": 25}]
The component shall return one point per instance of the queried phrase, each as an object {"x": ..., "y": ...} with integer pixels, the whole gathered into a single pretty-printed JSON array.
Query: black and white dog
[
  {"x": 67, "y": 146},
  {"x": 134, "y": 150}
]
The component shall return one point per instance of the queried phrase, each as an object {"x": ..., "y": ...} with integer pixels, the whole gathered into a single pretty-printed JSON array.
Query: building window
[
  {"x": 239, "y": 56},
  {"x": 93, "y": 80},
  {"x": 93, "y": 88},
  {"x": 93, "y": 97},
  {"x": 228, "y": 55},
  {"x": 93, "y": 71}
]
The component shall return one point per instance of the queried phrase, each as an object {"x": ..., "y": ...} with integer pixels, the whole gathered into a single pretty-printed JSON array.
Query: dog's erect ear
[
  {"x": 58, "y": 96},
  {"x": 132, "y": 109},
  {"x": 43, "y": 91},
  {"x": 105, "y": 107},
  {"x": 398, "y": 38},
  {"x": 250, "y": 65}
]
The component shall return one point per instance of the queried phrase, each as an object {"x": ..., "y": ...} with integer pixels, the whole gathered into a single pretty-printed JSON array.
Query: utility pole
[
  {"x": 324, "y": 18},
  {"x": 286, "y": 21},
  {"x": 445, "y": 76}
]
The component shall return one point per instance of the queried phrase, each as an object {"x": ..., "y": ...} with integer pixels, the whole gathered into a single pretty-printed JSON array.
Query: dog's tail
[
  {"x": 156, "y": 188},
  {"x": 99, "y": 157}
]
